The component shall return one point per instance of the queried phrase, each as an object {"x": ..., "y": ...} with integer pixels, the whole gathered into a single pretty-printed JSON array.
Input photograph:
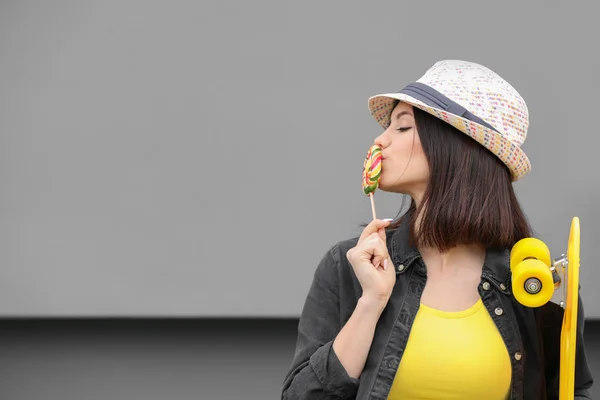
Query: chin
[
  {"x": 384, "y": 187},
  {"x": 396, "y": 187}
]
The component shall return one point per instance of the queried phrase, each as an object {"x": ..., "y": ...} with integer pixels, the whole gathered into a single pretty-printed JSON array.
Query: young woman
[{"x": 421, "y": 307}]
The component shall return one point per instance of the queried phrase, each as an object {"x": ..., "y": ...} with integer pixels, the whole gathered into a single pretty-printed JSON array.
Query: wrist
[{"x": 373, "y": 303}]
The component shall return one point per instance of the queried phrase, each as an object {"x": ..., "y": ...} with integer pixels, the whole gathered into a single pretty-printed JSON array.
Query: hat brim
[{"x": 382, "y": 105}]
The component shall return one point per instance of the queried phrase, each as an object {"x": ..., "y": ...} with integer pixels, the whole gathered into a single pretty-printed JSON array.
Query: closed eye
[{"x": 401, "y": 129}]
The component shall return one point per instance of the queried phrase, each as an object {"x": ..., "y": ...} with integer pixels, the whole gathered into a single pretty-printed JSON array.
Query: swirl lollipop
[{"x": 371, "y": 173}]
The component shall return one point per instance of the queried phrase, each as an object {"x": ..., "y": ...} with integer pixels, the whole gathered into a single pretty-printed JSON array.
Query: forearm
[{"x": 354, "y": 340}]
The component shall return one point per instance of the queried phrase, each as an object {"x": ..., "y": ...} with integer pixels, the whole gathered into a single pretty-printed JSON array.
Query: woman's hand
[{"x": 372, "y": 264}]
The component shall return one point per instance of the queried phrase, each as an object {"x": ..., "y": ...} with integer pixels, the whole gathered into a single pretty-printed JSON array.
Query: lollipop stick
[{"x": 373, "y": 205}]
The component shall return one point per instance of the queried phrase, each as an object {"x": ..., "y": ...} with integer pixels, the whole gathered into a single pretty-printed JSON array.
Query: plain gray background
[{"x": 198, "y": 158}]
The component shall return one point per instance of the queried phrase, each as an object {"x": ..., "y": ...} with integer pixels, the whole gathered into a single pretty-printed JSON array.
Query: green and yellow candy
[{"x": 371, "y": 170}]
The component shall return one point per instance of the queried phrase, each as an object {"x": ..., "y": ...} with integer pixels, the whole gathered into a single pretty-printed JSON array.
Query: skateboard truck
[{"x": 559, "y": 270}]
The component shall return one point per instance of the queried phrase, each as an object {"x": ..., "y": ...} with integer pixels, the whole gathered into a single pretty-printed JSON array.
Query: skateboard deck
[
  {"x": 536, "y": 277},
  {"x": 569, "y": 326}
]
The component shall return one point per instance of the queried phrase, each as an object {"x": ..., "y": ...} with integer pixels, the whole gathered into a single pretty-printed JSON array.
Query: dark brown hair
[{"x": 469, "y": 197}]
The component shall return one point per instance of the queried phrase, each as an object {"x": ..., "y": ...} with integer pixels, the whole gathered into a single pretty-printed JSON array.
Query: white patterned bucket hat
[{"x": 473, "y": 99}]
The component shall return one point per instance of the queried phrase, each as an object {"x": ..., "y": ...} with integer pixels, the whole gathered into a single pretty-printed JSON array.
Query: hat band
[{"x": 433, "y": 98}]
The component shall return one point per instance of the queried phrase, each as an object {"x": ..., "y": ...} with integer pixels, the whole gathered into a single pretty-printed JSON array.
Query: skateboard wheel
[
  {"x": 532, "y": 283},
  {"x": 529, "y": 248}
]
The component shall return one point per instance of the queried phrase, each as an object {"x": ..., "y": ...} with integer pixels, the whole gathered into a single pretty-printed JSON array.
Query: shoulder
[
  {"x": 334, "y": 269},
  {"x": 343, "y": 246},
  {"x": 334, "y": 260}
]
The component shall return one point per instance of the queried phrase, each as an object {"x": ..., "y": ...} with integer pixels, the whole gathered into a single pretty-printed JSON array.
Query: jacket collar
[{"x": 403, "y": 254}]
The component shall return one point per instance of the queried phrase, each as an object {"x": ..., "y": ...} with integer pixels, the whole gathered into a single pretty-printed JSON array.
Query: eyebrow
[{"x": 400, "y": 114}]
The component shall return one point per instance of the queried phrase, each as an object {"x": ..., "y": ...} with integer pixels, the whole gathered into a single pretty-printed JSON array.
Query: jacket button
[
  {"x": 502, "y": 286},
  {"x": 517, "y": 356},
  {"x": 401, "y": 267},
  {"x": 486, "y": 285},
  {"x": 499, "y": 311}
]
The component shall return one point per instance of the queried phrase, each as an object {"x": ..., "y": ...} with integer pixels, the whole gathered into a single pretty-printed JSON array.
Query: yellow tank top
[{"x": 453, "y": 355}]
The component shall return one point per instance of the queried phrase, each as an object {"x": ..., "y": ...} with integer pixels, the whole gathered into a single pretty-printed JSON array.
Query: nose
[{"x": 382, "y": 141}]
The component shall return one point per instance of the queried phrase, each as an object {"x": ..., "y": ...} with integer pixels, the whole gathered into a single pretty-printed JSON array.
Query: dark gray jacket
[{"x": 531, "y": 336}]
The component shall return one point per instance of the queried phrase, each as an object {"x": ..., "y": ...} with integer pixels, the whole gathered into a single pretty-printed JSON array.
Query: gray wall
[{"x": 182, "y": 158}]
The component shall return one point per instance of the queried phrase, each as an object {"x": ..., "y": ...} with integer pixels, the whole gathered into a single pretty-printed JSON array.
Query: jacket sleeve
[
  {"x": 316, "y": 372},
  {"x": 552, "y": 335}
]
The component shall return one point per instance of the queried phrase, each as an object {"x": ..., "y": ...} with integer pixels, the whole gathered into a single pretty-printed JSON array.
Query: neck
[
  {"x": 471, "y": 256},
  {"x": 462, "y": 255}
]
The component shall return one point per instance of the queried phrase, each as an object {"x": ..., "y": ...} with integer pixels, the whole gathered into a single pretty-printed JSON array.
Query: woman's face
[{"x": 404, "y": 167}]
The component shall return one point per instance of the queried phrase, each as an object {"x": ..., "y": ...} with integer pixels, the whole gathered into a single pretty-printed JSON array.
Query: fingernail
[
  {"x": 385, "y": 264},
  {"x": 388, "y": 219}
]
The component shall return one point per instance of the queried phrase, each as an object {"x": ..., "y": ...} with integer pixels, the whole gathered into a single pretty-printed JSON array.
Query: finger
[
  {"x": 381, "y": 232},
  {"x": 373, "y": 227},
  {"x": 377, "y": 261},
  {"x": 382, "y": 263},
  {"x": 374, "y": 247}
]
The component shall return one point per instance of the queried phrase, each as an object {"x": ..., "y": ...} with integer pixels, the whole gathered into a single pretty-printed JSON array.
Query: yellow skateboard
[{"x": 535, "y": 277}]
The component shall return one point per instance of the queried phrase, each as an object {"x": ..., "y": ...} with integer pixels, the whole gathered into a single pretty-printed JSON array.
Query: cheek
[
  {"x": 422, "y": 162},
  {"x": 418, "y": 150},
  {"x": 418, "y": 161}
]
